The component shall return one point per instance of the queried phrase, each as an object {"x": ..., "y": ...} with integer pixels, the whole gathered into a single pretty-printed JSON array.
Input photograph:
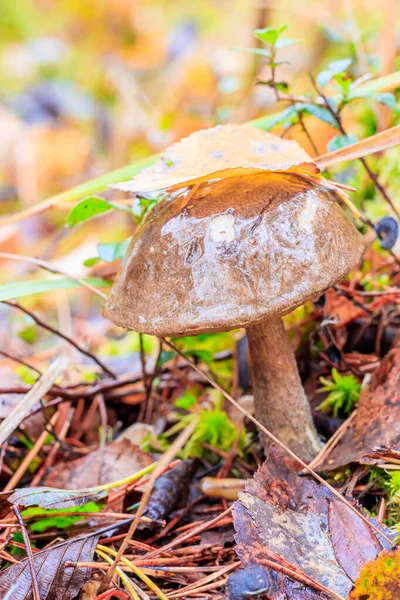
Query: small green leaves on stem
[
  {"x": 340, "y": 141},
  {"x": 334, "y": 68},
  {"x": 111, "y": 251},
  {"x": 91, "y": 207},
  {"x": 269, "y": 35}
]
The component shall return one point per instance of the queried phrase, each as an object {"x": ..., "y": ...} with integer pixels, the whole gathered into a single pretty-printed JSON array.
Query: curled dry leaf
[
  {"x": 226, "y": 150},
  {"x": 379, "y": 579},
  {"x": 53, "y": 498},
  {"x": 377, "y": 419},
  {"x": 118, "y": 460},
  {"x": 171, "y": 490},
  {"x": 376, "y": 143},
  {"x": 299, "y": 523},
  {"x": 56, "y": 582},
  {"x": 386, "y": 454}
]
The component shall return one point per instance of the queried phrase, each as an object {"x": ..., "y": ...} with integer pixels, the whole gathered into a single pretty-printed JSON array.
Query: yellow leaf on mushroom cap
[{"x": 222, "y": 151}]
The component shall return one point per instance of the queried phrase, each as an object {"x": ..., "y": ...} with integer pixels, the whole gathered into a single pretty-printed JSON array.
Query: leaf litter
[
  {"x": 292, "y": 520},
  {"x": 377, "y": 420}
]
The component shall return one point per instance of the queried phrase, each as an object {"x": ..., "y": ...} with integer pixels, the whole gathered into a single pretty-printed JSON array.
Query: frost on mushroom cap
[
  {"x": 239, "y": 251},
  {"x": 225, "y": 150}
]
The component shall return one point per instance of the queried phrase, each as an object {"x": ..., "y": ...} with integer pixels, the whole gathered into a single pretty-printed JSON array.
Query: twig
[
  {"x": 61, "y": 335},
  {"x": 277, "y": 441},
  {"x": 186, "y": 536},
  {"x": 356, "y": 37},
  {"x": 49, "y": 267},
  {"x": 29, "y": 555},
  {"x": 335, "y": 114},
  {"x": 375, "y": 143},
  {"x": 205, "y": 580},
  {"x": 21, "y": 362},
  {"x": 333, "y": 441},
  {"x": 33, "y": 452},
  {"x": 37, "y": 391},
  {"x": 103, "y": 438},
  {"x": 167, "y": 457}
]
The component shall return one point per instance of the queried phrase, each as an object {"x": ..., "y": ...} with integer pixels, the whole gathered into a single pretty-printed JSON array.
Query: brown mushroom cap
[{"x": 238, "y": 251}]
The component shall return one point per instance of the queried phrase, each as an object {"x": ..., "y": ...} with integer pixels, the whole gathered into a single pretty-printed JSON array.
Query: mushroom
[{"x": 239, "y": 250}]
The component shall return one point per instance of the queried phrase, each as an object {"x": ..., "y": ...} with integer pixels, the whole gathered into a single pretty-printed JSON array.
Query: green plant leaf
[
  {"x": 28, "y": 333},
  {"x": 320, "y": 112},
  {"x": 260, "y": 51},
  {"x": 340, "y": 141},
  {"x": 19, "y": 289},
  {"x": 90, "y": 262},
  {"x": 87, "y": 209},
  {"x": 334, "y": 68},
  {"x": 186, "y": 401},
  {"x": 112, "y": 250},
  {"x": 286, "y": 42},
  {"x": 52, "y": 518},
  {"x": 385, "y": 98},
  {"x": 269, "y": 35},
  {"x": 91, "y": 207}
]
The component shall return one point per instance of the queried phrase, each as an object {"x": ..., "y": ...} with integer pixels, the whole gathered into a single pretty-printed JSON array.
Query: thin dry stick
[
  {"x": 356, "y": 36},
  {"x": 21, "y": 362},
  {"x": 48, "y": 462},
  {"x": 336, "y": 115},
  {"x": 103, "y": 437},
  {"x": 29, "y": 555},
  {"x": 206, "y": 588},
  {"x": 33, "y": 452},
  {"x": 167, "y": 457},
  {"x": 186, "y": 536},
  {"x": 61, "y": 335},
  {"x": 375, "y": 143},
  {"x": 35, "y": 394},
  {"x": 49, "y": 267},
  {"x": 204, "y": 580},
  {"x": 333, "y": 441},
  {"x": 277, "y": 441}
]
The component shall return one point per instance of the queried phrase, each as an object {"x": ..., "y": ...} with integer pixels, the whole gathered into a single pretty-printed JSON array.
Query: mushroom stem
[{"x": 279, "y": 399}]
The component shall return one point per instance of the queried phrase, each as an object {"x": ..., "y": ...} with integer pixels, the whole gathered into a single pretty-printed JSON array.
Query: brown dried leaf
[
  {"x": 119, "y": 460},
  {"x": 386, "y": 454},
  {"x": 345, "y": 531},
  {"x": 287, "y": 518},
  {"x": 379, "y": 579},
  {"x": 53, "y": 498},
  {"x": 377, "y": 419},
  {"x": 171, "y": 490},
  {"x": 56, "y": 582},
  {"x": 226, "y": 150},
  {"x": 341, "y": 306}
]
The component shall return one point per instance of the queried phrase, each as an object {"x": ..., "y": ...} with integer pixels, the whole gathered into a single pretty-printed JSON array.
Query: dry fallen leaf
[
  {"x": 56, "y": 582},
  {"x": 343, "y": 307},
  {"x": 376, "y": 143},
  {"x": 295, "y": 521},
  {"x": 379, "y": 579},
  {"x": 228, "y": 150},
  {"x": 119, "y": 460},
  {"x": 377, "y": 419},
  {"x": 171, "y": 490},
  {"x": 52, "y": 498}
]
